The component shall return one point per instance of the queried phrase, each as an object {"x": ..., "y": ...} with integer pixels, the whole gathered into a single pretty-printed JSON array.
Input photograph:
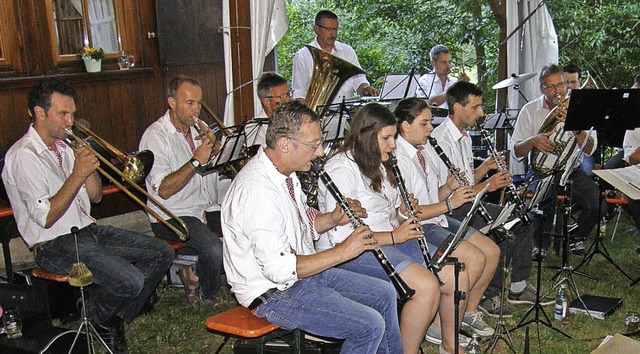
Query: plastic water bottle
[
  {"x": 474, "y": 345},
  {"x": 558, "y": 310},
  {"x": 603, "y": 227}
]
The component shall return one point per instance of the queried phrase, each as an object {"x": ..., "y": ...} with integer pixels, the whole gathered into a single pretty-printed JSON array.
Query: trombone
[{"x": 136, "y": 168}]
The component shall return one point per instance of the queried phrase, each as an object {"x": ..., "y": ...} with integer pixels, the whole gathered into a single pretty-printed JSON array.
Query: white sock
[{"x": 518, "y": 287}]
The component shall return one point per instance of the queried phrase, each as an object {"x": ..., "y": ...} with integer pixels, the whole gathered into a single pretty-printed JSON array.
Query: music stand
[
  {"x": 611, "y": 112},
  {"x": 230, "y": 152},
  {"x": 255, "y": 131},
  {"x": 397, "y": 87}
]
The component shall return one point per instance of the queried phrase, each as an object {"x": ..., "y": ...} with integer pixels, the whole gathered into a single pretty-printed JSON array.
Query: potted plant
[{"x": 92, "y": 58}]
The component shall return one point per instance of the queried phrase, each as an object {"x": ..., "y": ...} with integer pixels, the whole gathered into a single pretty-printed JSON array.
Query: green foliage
[{"x": 394, "y": 36}]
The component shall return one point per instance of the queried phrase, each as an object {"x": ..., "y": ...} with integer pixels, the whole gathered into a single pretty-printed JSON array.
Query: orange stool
[
  {"x": 46, "y": 275},
  {"x": 239, "y": 322},
  {"x": 619, "y": 202}
]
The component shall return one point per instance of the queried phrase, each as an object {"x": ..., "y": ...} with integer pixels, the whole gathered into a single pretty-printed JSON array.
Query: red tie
[
  {"x": 423, "y": 163},
  {"x": 292, "y": 192}
]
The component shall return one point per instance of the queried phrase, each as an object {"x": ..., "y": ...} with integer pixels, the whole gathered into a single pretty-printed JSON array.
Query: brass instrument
[
  {"x": 215, "y": 133},
  {"x": 403, "y": 290},
  {"x": 133, "y": 172},
  {"x": 329, "y": 73},
  {"x": 564, "y": 142}
]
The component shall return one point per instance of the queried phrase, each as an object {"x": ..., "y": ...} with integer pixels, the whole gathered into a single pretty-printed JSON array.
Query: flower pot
[{"x": 92, "y": 65}]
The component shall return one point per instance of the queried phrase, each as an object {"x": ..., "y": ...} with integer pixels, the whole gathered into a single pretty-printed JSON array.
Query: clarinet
[
  {"x": 500, "y": 233},
  {"x": 511, "y": 193},
  {"x": 403, "y": 290},
  {"x": 422, "y": 241}
]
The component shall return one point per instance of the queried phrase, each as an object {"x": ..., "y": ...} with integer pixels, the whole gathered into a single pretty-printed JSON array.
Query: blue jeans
[
  {"x": 207, "y": 245},
  {"x": 400, "y": 256},
  {"x": 126, "y": 266},
  {"x": 343, "y": 305}
]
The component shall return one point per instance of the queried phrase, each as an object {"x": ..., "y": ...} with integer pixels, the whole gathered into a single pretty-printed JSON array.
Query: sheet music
[
  {"x": 502, "y": 218},
  {"x": 626, "y": 179}
]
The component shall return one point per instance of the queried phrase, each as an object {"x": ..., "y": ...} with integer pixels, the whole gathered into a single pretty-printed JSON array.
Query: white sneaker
[
  {"x": 476, "y": 323},
  {"x": 434, "y": 335}
]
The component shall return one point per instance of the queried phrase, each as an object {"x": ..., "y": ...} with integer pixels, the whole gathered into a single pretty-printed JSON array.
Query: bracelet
[
  {"x": 393, "y": 241},
  {"x": 402, "y": 215},
  {"x": 447, "y": 202}
]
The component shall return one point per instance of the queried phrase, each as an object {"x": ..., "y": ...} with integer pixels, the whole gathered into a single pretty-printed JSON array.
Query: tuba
[
  {"x": 565, "y": 142},
  {"x": 329, "y": 74}
]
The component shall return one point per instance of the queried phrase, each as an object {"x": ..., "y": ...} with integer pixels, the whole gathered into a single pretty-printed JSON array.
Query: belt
[{"x": 262, "y": 298}]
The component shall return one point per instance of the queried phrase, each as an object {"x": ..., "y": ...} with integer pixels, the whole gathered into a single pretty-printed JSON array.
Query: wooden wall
[{"x": 119, "y": 105}]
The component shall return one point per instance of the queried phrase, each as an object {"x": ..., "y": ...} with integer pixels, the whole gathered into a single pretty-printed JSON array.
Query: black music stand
[
  {"x": 611, "y": 112},
  {"x": 397, "y": 87},
  {"x": 230, "y": 152},
  {"x": 255, "y": 131}
]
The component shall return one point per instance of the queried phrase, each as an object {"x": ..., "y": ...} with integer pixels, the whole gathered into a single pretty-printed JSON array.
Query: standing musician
[
  {"x": 269, "y": 256},
  {"x": 273, "y": 89},
  {"x": 326, "y": 29},
  {"x": 51, "y": 187},
  {"x": 631, "y": 146},
  {"x": 434, "y": 85},
  {"x": 465, "y": 101},
  {"x": 178, "y": 152},
  {"x": 430, "y": 181},
  {"x": 361, "y": 171},
  {"x": 526, "y": 138}
]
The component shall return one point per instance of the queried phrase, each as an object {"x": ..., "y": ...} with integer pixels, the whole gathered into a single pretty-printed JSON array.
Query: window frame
[
  {"x": 127, "y": 42},
  {"x": 7, "y": 37}
]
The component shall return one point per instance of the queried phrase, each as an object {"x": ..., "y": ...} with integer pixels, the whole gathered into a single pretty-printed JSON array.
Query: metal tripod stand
[
  {"x": 501, "y": 331},
  {"x": 80, "y": 276}
]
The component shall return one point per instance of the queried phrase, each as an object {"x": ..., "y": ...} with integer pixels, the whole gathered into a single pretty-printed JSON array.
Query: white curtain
[
  {"x": 268, "y": 24},
  {"x": 531, "y": 47},
  {"x": 102, "y": 20}
]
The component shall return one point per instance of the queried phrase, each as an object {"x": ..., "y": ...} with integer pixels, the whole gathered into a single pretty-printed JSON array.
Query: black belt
[{"x": 262, "y": 298}]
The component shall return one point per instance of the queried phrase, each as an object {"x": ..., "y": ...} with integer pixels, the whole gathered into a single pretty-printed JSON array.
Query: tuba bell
[{"x": 564, "y": 142}]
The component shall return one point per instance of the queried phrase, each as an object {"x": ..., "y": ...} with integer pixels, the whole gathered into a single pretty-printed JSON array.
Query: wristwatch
[{"x": 195, "y": 162}]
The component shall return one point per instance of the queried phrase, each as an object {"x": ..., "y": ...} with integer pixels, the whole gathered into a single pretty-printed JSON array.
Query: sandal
[{"x": 191, "y": 288}]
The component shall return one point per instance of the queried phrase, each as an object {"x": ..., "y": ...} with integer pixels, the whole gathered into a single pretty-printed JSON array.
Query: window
[
  {"x": 78, "y": 23},
  {"x": 6, "y": 33}
]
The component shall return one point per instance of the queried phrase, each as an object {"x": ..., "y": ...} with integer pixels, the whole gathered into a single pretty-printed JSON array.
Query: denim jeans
[
  {"x": 126, "y": 266},
  {"x": 340, "y": 304},
  {"x": 400, "y": 256},
  {"x": 518, "y": 249},
  {"x": 207, "y": 245}
]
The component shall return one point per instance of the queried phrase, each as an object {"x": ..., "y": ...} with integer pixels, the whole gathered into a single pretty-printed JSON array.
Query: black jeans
[{"x": 518, "y": 249}]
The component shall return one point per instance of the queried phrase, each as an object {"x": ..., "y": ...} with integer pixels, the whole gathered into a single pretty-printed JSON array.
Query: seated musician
[
  {"x": 326, "y": 29},
  {"x": 526, "y": 139},
  {"x": 361, "y": 171},
  {"x": 173, "y": 180},
  {"x": 428, "y": 179},
  {"x": 273, "y": 89},
  {"x": 631, "y": 147},
  {"x": 51, "y": 187},
  {"x": 269, "y": 257},
  {"x": 433, "y": 85},
  {"x": 465, "y": 102}
]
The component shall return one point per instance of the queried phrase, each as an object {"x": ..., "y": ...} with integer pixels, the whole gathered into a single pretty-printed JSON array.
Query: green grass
[{"x": 174, "y": 327}]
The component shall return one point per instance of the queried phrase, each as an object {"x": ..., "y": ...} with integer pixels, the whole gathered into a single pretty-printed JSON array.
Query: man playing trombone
[
  {"x": 51, "y": 187},
  {"x": 178, "y": 152}
]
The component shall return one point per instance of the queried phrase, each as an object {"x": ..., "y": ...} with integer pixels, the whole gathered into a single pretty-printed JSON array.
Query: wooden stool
[
  {"x": 46, "y": 275},
  {"x": 239, "y": 322}
]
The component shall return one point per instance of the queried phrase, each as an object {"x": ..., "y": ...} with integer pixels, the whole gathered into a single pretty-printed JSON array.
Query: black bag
[{"x": 30, "y": 300}]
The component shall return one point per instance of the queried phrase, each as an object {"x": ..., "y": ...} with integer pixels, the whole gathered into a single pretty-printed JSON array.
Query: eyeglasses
[
  {"x": 555, "y": 87},
  {"x": 330, "y": 29},
  {"x": 313, "y": 146},
  {"x": 280, "y": 97}
]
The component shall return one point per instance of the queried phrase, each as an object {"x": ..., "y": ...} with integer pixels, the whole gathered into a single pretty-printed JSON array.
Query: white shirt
[
  {"x": 171, "y": 151},
  {"x": 423, "y": 184},
  {"x": 530, "y": 119},
  {"x": 631, "y": 142},
  {"x": 32, "y": 175},
  {"x": 262, "y": 230},
  {"x": 430, "y": 85},
  {"x": 381, "y": 206},
  {"x": 303, "y": 70},
  {"x": 457, "y": 147}
]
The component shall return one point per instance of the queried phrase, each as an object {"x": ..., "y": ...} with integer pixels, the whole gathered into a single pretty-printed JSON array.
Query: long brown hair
[{"x": 362, "y": 141}]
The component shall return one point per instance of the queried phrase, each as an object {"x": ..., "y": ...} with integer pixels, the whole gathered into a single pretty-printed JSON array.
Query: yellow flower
[{"x": 88, "y": 52}]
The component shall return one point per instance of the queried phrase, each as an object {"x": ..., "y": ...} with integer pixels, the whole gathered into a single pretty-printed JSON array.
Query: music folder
[{"x": 230, "y": 152}]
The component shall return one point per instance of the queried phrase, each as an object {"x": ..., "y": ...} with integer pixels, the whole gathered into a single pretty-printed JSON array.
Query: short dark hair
[
  {"x": 549, "y": 70},
  {"x": 287, "y": 120},
  {"x": 460, "y": 92},
  {"x": 433, "y": 54},
  {"x": 267, "y": 81},
  {"x": 324, "y": 14},
  {"x": 408, "y": 109},
  {"x": 40, "y": 95},
  {"x": 174, "y": 84},
  {"x": 571, "y": 69}
]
